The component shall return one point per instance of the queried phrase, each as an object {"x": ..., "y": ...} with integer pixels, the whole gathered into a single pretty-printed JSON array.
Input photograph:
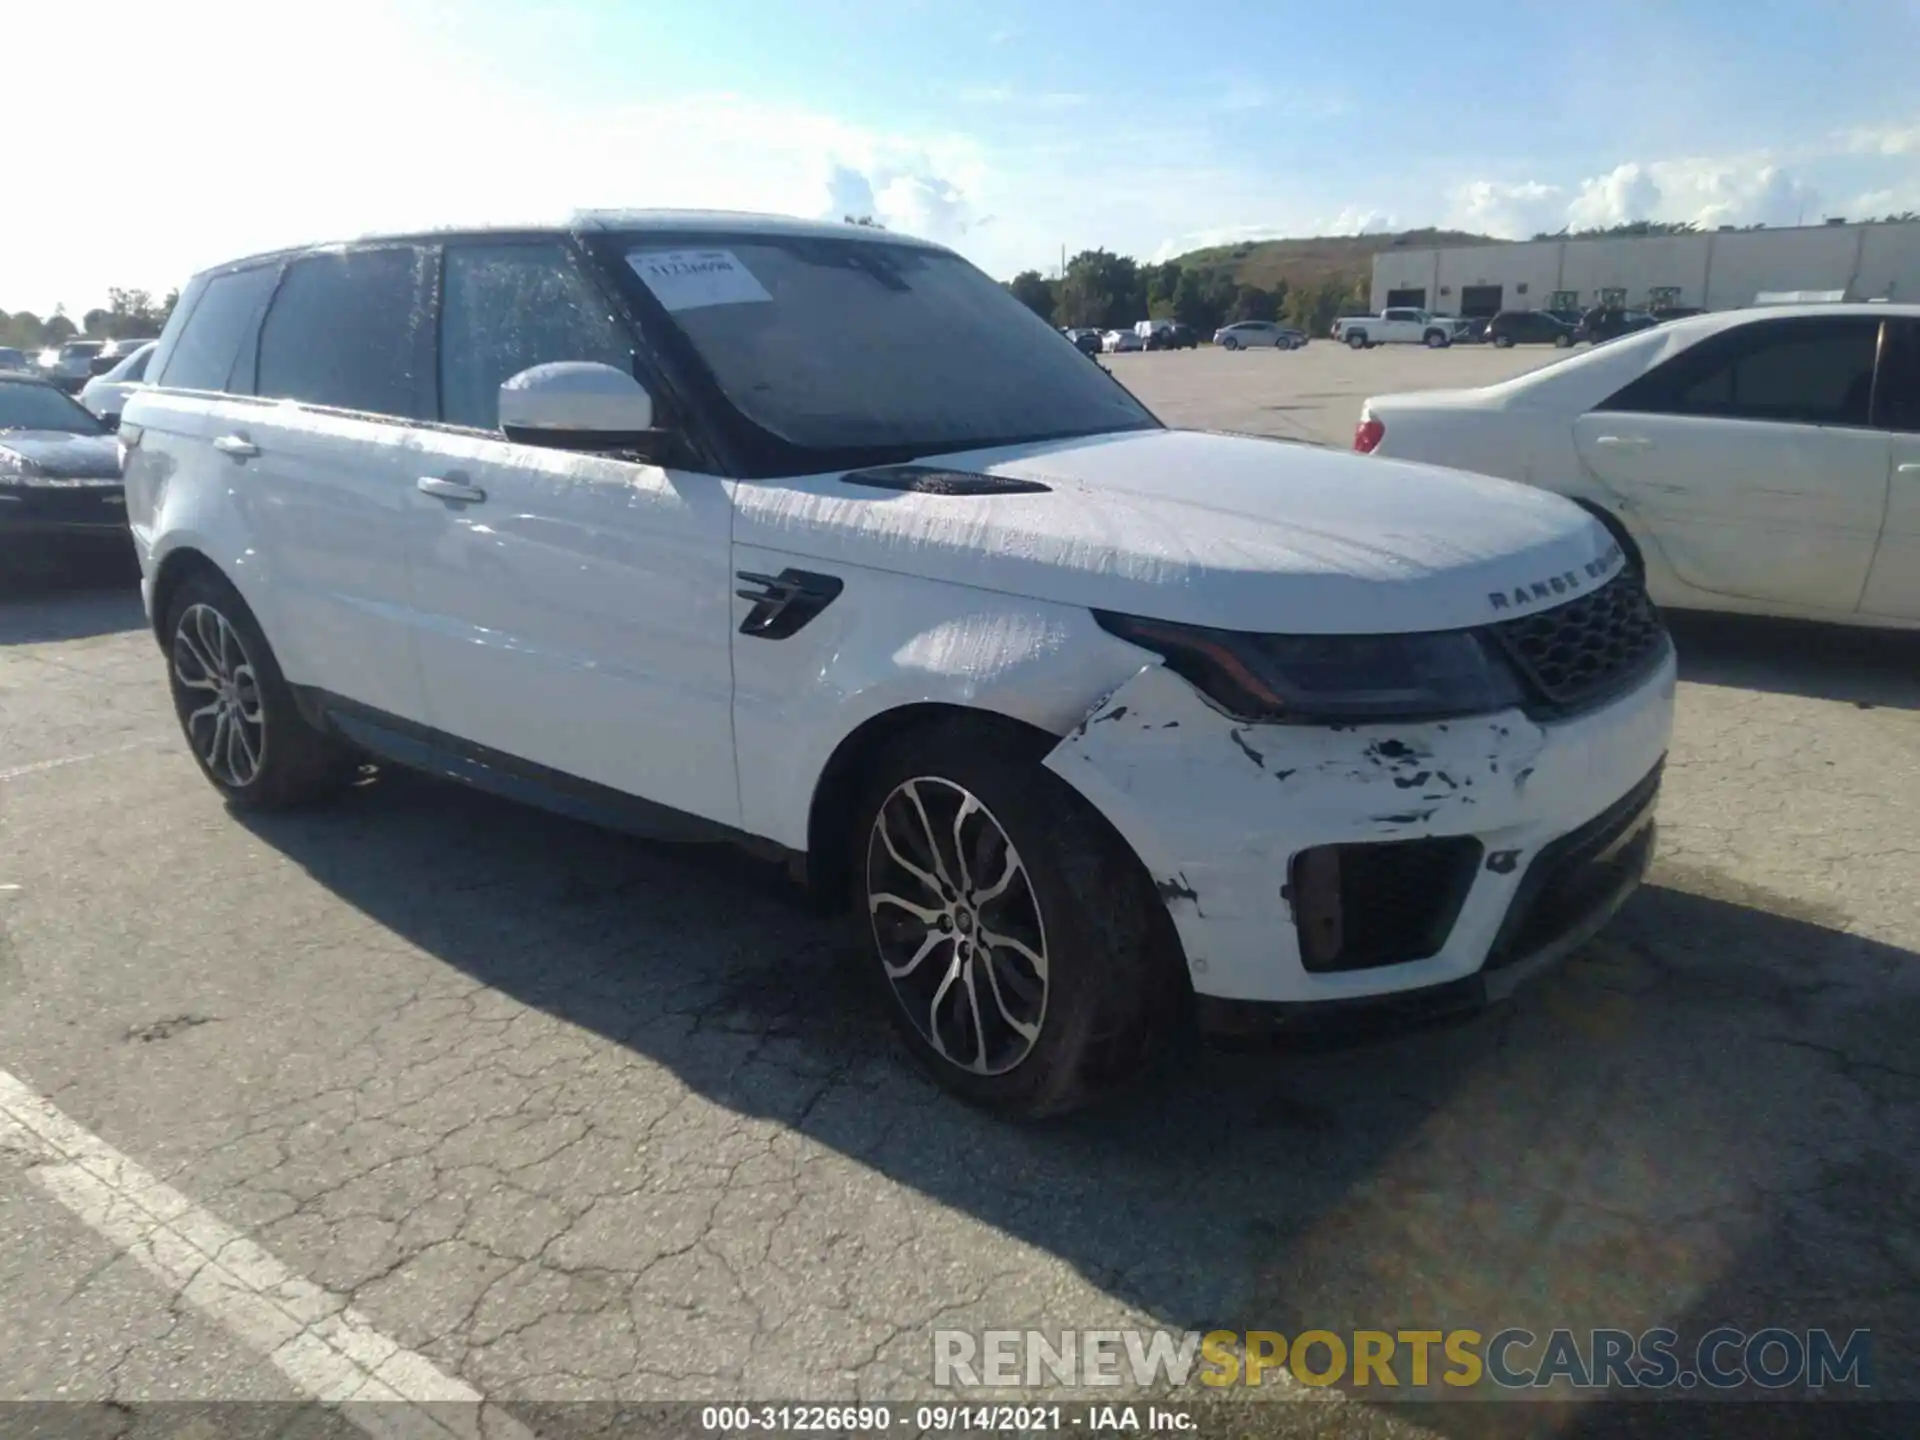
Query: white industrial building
[{"x": 1714, "y": 270}]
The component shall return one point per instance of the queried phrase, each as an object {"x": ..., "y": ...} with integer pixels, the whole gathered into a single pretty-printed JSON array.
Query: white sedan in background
[
  {"x": 1762, "y": 461},
  {"x": 1118, "y": 341},
  {"x": 104, "y": 395}
]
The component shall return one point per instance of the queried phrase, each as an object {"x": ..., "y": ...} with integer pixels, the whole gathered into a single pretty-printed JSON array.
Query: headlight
[{"x": 1321, "y": 678}]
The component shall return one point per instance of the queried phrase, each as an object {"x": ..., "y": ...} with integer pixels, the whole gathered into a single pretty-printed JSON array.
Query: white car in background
[
  {"x": 661, "y": 520},
  {"x": 106, "y": 394},
  {"x": 1252, "y": 334},
  {"x": 1119, "y": 341},
  {"x": 1757, "y": 461},
  {"x": 70, "y": 365},
  {"x": 1396, "y": 326}
]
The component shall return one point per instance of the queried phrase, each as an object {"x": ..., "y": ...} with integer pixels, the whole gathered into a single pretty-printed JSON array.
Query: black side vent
[{"x": 931, "y": 480}]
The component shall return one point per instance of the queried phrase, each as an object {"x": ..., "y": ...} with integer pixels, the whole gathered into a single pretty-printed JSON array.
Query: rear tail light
[{"x": 1368, "y": 434}]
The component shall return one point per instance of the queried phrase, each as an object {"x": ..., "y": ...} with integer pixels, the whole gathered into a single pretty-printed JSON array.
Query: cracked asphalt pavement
[{"x": 573, "y": 1116}]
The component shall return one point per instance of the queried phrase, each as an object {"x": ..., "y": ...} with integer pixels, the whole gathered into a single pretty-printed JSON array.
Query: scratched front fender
[{"x": 1216, "y": 809}]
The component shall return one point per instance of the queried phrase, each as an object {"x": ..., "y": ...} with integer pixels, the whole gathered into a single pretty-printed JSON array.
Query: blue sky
[{"x": 1005, "y": 129}]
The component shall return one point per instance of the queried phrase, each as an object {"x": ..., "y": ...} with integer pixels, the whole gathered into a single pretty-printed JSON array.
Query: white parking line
[
  {"x": 330, "y": 1351},
  {"x": 37, "y": 766}
]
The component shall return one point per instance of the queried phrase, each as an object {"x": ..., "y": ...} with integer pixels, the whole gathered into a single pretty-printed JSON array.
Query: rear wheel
[
  {"x": 1436, "y": 340},
  {"x": 1016, "y": 937},
  {"x": 236, "y": 709}
]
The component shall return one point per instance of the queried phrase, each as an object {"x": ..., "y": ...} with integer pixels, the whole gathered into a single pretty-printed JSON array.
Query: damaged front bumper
[{"x": 1318, "y": 873}]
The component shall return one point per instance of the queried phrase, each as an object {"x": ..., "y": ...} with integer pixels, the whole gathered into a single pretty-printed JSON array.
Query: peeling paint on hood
[{"x": 1207, "y": 529}]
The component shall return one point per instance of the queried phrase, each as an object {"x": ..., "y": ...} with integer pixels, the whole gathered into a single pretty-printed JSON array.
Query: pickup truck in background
[{"x": 1396, "y": 326}]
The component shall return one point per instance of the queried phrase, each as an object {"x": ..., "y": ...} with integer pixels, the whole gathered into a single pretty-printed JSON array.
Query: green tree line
[
  {"x": 127, "y": 315},
  {"x": 1104, "y": 291}
]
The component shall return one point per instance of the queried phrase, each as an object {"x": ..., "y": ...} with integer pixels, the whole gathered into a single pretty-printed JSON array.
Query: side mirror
[{"x": 577, "y": 405}]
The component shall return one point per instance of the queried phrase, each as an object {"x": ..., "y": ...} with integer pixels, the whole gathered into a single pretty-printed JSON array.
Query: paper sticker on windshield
[{"x": 690, "y": 279}]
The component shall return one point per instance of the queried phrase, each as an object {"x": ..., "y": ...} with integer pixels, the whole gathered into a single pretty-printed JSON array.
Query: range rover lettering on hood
[{"x": 1565, "y": 583}]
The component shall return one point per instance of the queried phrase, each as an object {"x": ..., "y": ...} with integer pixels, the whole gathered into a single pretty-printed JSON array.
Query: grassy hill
[{"x": 1345, "y": 258}]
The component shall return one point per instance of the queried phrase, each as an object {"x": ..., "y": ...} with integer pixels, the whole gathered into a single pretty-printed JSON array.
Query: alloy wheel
[
  {"x": 957, "y": 925},
  {"x": 218, "y": 695}
]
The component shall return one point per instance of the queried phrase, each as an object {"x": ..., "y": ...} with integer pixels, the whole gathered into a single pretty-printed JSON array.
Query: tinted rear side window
[
  {"x": 507, "y": 307},
  {"x": 1807, "y": 371},
  {"x": 210, "y": 339},
  {"x": 1897, "y": 401},
  {"x": 350, "y": 331}
]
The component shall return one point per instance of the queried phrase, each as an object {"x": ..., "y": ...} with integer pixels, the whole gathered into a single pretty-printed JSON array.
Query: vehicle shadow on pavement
[
  {"x": 74, "y": 602},
  {"x": 1707, "y": 1117},
  {"x": 1866, "y": 667}
]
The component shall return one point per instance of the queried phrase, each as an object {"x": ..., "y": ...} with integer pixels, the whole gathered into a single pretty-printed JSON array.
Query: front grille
[
  {"x": 1385, "y": 903},
  {"x": 1578, "y": 874},
  {"x": 1581, "y": 653}
]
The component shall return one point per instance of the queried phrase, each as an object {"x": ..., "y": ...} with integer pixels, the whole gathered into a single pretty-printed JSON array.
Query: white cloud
[
  {"x": 387, "y": 124},
  {"x": 1885, "y": 202},
  {"x": 1732, "y": 190},
  {"x": 1627, "y": 192},
  {"x": 1883, "y": 140},
  {"x": 1740, "y": 190},
  {"x": 1294, "y": 100},
  {"x": 1037, "y": 100},
  {"x": 1357, "y": 222},
  {"x": 1488, "y": 207}
]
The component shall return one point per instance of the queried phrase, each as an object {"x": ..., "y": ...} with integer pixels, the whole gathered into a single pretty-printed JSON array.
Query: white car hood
[{"x": 1206, "y": 529}]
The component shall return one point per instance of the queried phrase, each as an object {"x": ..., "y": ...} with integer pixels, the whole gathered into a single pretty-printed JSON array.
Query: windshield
[
  {"x": 845, "y": 347},
  {"x": 40, "y": 407}
]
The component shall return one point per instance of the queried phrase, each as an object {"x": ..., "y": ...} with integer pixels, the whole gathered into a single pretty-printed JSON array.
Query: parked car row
[
  {"x": 1408, "y": 326},
  {"x": 71, "y": 364},
  {"x": 1147, "y": 335}
]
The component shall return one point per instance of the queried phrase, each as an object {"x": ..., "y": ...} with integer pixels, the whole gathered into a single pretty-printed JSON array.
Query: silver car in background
[{"x": 1248, "y": 334}]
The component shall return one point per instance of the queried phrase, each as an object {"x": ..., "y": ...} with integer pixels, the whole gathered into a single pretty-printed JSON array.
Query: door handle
[
  {"x": 1908, "y": 467},
  {"x": 238, "y": 446},
  {"x": 1624, "y": 442},
  {"x": 442, "y": 489}
]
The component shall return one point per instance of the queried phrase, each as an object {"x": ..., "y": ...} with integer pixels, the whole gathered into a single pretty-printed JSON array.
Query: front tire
[
  {"x": 1563, "y": 342},
  {"x": 1503, "y": 342},
  {"x": 1016, "y": 937},
  {"x": 236, "y": 708},
  {"x": 1356, "y": 342},
  {"x": 1436, "y": 341},
  {"x": 1230, "y": 343}
]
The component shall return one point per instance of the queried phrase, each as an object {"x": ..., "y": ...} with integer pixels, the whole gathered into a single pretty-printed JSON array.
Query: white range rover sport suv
[{"x": 812, "y": 537}]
